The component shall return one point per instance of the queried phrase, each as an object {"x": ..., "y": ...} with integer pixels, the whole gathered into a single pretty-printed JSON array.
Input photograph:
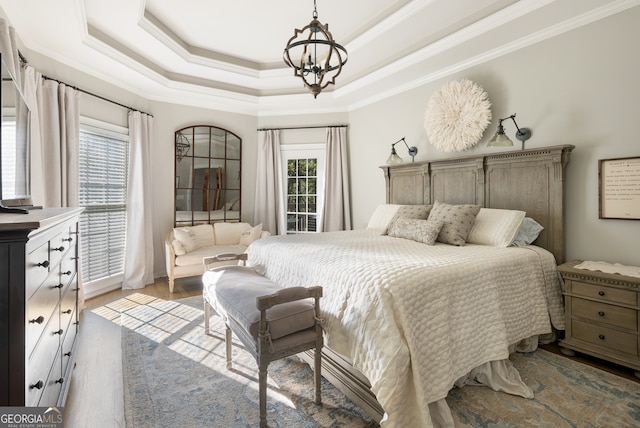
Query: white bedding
[{"x": 415, "y": 318}]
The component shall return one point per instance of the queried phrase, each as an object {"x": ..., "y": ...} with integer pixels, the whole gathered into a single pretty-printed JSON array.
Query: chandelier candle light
[{"x": 314, "y": 55}]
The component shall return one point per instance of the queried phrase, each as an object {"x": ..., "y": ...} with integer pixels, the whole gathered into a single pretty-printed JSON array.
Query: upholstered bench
[{"x": 271, "y": 322}]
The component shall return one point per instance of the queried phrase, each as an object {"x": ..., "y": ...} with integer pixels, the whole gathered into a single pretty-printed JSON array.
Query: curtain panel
[
  {"x": 138, "y": 263},
  {"x": 269, "y": 203},
  {"x": 337, "y": 211}
]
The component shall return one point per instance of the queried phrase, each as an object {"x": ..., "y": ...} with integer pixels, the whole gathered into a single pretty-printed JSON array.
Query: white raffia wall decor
[{"x": 457, "y": 115}]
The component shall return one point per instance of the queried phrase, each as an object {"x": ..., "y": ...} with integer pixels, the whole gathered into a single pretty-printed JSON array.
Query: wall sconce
[
  {"x": 395, "y": 159},
  {"x": 501, "y": 140}
]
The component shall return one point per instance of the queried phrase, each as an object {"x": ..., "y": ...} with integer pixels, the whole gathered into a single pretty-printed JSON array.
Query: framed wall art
[{"x": 619, "y": 188}]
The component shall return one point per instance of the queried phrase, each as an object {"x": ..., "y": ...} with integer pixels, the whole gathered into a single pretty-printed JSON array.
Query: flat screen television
[{"x": 15, "y": 155}]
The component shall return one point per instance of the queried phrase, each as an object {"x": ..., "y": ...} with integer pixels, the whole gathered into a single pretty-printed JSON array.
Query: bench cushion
[{"x": 234, "y": 291}]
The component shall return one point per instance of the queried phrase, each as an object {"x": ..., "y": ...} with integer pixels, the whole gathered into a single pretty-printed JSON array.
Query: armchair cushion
[
  {"x": 190, "y": 238},
  {"x": 229, "y": 233}
]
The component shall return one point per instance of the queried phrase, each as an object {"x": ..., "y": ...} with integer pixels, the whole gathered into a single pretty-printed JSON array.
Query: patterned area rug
[{"x": 175, "y": 375}]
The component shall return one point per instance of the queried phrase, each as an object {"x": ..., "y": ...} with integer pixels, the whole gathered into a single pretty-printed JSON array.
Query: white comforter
[{"x": 412, "y": 317}]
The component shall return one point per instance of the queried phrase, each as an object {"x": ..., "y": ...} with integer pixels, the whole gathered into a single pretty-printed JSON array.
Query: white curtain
[
  {"x": 337, "y": 211},
  {"x": 138, "y": 263},
  {"x": 59, "y": 114},
  {"x": 269, "y": 196},
  {"x": 9, "y": 50}
]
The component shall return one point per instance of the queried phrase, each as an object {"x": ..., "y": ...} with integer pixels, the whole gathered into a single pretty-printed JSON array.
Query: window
[
  {"x": 304, "y": 186},
  {"x": 103, "y": 165}
]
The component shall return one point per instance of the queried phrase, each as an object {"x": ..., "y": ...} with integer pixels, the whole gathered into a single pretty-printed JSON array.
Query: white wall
[{"x": 580, "y": 88}]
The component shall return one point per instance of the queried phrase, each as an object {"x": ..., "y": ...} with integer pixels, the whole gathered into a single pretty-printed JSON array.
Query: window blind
[{"x": 103, "y": 164}]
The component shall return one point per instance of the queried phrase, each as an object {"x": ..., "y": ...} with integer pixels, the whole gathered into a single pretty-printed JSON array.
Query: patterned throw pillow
[
  {"x": 457, "y": 221},
  {"x": 411, "y": 211},
  {"x": 425, "y": 231}
]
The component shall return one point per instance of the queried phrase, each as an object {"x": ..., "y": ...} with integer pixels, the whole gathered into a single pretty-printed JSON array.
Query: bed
[
  {"x": 195, "y": 217},
  {"x": 405, "y": 321}
]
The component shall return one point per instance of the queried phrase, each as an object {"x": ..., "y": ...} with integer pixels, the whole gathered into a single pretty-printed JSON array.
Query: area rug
[{"x": 176, "y": 376}]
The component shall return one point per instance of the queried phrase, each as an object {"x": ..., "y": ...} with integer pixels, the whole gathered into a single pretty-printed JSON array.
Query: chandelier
[
  {"x": 318, "y": 58},
  {"x": 182, "y": 146}
]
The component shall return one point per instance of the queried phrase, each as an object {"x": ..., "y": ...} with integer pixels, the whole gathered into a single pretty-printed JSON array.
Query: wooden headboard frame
[{"x": 529, "y": 180}]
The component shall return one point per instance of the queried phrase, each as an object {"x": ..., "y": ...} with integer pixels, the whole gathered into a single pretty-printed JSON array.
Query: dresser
[
  {"x": 602, "y": 313},
  {"x": 38, "y": 305}
]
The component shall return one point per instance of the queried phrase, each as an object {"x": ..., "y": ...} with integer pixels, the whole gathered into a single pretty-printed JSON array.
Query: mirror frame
[{"x": 207, "y": 175}]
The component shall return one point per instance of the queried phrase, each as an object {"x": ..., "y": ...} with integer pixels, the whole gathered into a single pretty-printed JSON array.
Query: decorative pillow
[
  {"x": 381, "y": 218},
  {"x": 425, "y": 231},
  {"x": 528, "y": 232},
  {"x": 229, "y": 205},
  {"x": 248, "y": 236},
  {"x": 204, "y": 235},
  {"x": 457, "y": 221},
  {"x": 229, "y": 233},
  {"x": 236, "y": 205},
  {"x": 178, "y": 249},
  {"x": 186, "y": 237},
  {"x": 411, "y": 211},
  {"x": 496, "y": 227}
]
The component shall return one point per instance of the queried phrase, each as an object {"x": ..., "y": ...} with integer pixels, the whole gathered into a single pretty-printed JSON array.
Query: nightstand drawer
[
  {"x": 614, "y": 295},
  {"x": 616, "y": 340},
  {"x": 610, "y": 314}
]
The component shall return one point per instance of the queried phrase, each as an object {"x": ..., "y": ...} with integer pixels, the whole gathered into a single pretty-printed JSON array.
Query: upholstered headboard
[{"x": 529, "y": 180}]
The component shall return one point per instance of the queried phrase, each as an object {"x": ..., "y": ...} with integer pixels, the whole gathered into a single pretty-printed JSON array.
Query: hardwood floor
[{"x": 96, "y": 396}]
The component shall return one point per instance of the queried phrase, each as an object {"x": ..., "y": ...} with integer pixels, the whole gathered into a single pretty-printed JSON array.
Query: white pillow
[
  {"x": 381, "y": 218},
  {"x": 204, "y": 235},
  {"x": 529, "y": 231},
  {"x": 229, "y": 233},
  {"x": 186, "y": 237},
  {"x": 495, "y": 227},
  {"x": 248, "y": 236},
  {"x": 178, "y": 249}
]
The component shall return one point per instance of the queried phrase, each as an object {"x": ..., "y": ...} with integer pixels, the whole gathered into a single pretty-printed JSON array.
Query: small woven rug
[{"x": 176, "y": 376}]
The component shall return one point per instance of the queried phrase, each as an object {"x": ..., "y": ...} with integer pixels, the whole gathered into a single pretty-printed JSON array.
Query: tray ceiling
[{"x": 228, "y": 55}]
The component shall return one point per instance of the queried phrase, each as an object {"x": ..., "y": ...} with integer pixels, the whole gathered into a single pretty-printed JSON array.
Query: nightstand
[{"x": 602, "y": 315}]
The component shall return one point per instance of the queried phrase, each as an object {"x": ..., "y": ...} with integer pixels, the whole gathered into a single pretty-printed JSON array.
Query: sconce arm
[
  {"x": 522, "y": 134},
  {"x": 413, "y": 151}
]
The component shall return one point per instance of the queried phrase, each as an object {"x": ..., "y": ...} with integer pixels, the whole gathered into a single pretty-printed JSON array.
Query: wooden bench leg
[
  {"x": 227, "y": 342},
  {"x": 207, "y": 315},
  {"x": 262, "y": 380},
  {"x": 316, "y": 372}
]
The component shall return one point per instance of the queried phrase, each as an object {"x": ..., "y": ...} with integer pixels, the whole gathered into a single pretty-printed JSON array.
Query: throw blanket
[{"x": 412, "y": 317}]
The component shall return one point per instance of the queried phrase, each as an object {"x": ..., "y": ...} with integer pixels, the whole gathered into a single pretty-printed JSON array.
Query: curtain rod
[
  {"x": 303, "y": 127},
  {"x": 96, "y": 95},
  {"x": 24, "y": 61}
]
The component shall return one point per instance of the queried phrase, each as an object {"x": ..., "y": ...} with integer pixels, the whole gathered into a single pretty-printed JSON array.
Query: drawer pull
[
  {"x": 37, "y": 385},
  {"x": 58, "y": 286},
  {"x": 61, "y": 380},
  {"x": 38, "y": 320},
  {"x": 600, "y": 293},
  {"x": 601, "y": 313},
  {"x": 59, "y": 332},
  {"x": 68, "y": 354},
  {"x": 66, "y": 273},
  {"x": 601, "y": 336},
  {"x": 69, "y": 239},
  {"x": 60, "y": 248},
  {"x": 44, "y": 264},
  {"x": 68, "y": 311}
]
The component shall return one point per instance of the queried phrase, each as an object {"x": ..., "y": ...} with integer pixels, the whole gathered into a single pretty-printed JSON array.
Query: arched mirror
[{"x": 207, "y": 175}]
